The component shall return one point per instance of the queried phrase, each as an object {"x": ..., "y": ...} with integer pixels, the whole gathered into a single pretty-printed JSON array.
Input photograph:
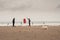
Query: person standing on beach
[
  {"x": 13, "y": 22},
  {"x": 24, "y": 20},
  {"x": 29, "y": 21}
]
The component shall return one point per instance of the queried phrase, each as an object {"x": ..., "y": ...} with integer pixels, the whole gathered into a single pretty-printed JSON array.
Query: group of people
[{"x": 24, "y": 20}]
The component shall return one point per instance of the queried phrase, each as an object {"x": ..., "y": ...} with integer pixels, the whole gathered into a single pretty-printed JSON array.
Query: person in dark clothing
[
  {"x": 29, "y": 21},
  {"x": 13, "y": 21}
]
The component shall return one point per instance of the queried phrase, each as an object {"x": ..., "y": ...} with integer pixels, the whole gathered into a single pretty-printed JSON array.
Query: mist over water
[{"x": 34, "y": 15}]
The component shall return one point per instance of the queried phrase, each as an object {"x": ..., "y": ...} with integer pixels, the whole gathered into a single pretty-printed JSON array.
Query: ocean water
[
  {"x": 32, "y": 24},
  {"x": 36, "y": 16}
]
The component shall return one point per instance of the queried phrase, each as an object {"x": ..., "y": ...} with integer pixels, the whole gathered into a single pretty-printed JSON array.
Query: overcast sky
[
  {"x": 36, "y": 9},
  {"x": 26, "y": 4}
]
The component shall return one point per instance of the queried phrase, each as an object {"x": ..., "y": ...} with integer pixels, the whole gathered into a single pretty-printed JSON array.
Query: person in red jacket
[{"x": 24, "y": 20}]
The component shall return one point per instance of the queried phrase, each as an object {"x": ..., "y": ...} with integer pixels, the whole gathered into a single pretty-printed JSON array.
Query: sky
[{"x": 37, "y": 10}]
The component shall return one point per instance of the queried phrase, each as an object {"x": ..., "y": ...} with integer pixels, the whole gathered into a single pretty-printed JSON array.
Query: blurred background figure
[
  {"x": 24, "y": 20},
  {"x": 13, "y": 22},
  {"x": 29, "y": 21}
]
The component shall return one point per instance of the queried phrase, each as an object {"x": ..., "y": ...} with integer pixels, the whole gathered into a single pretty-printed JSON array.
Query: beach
[{"x": 30, "y": 33}]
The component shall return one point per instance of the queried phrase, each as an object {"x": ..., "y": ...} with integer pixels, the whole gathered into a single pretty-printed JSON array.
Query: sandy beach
[{"x": 30, "y": 33}]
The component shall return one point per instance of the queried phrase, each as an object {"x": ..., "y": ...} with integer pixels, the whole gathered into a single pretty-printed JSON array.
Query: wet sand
[{"x": 30, "y": 33}]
